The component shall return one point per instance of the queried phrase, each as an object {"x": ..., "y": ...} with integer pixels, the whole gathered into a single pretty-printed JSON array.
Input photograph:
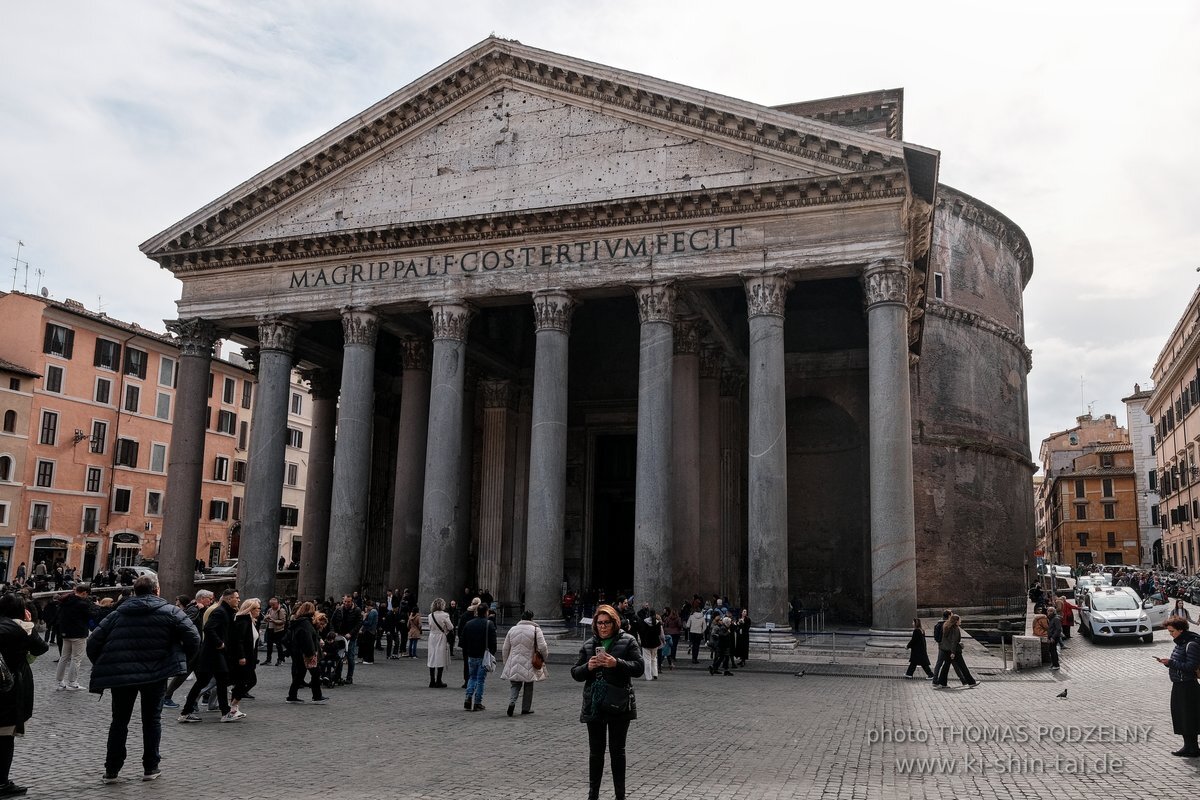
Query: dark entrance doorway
[{"x": 614, "y": 469}]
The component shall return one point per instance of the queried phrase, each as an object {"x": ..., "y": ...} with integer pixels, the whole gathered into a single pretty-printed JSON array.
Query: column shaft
[
  {"x": 318, "y": 486},
  {"x": 259, "y": 548},
  {"x": 442, "y": 521},
  {"x": 177, "y": 553},
  {"x": 548, "y": 456},
  {"x": 352, "y": 454},
  {"x": 767, "y": 499},
  {"x": 893, "y": 538},
  {"x": 733, "y": 452},
  {"x": 709, "y": 462},
  {"x": 496, "y": 483},
  {"x": 410, "y": 467},
  {"x": 685, "y": 462},
  {"x": 652, "y": 528}
]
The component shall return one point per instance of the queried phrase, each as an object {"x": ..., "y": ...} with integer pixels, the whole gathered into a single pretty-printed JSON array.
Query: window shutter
[
  {"x": 48, "y": 341},
  {"x": 69, "y": 347}
]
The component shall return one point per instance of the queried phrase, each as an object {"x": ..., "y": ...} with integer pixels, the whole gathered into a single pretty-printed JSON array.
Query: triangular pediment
[{"x": 505, "y": 128}]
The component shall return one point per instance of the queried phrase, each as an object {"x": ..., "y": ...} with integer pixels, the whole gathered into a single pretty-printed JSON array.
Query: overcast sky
[{"x": 1079, "y": 121}]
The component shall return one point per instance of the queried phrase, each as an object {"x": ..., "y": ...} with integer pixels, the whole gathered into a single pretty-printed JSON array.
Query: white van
[{"x": 1107, "y": 612}]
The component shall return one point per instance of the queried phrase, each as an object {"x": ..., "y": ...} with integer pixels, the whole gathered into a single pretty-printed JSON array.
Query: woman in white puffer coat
[{"x": 519, "y": 645}]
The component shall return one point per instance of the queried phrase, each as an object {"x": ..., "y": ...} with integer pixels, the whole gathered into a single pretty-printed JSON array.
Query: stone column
[
  {"x": 514, "y": 555},
  {"x": 733, "y": 452},
  {"x": 685, "y": 461},
  {"x": 497, "y": 481},
  {"x": 552, "y": 311},
  {"x": 767, "y": 500},
  {"x": 443, "y": 523},
  {"x": 652, "y": 529},
  {"x": 318, "y": 485},
  {"x": 893, "y": 537},
  {"x": 259, "y": 549},
  {"x": 709, "y": 461},
  {"x": 467, "y": 475},
  {"x": 405, "y": 558},
  {"x": 185, "y": 472},
  {"x": 352, "y": 453}
]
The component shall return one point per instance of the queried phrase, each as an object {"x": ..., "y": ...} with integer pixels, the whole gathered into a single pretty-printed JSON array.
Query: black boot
[
  {"x": 438, "y": 679},
  {"x": 618, "y": 774},
  {"x": 595, "y": 773},
  {"x": 432, "y": 680}
]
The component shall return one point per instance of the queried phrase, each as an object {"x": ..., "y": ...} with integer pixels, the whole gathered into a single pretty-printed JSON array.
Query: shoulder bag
[{"x": 537, "y": 660}]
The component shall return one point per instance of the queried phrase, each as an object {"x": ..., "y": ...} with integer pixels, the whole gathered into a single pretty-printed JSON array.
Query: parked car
[
  {"x": 1158, "y": 608},
  {"x": 1110, "y": 612},
  {"x": 229, "y": 568}
]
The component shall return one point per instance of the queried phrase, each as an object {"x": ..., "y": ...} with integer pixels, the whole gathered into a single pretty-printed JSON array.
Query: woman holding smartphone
[{"x": 607, "y": 663}]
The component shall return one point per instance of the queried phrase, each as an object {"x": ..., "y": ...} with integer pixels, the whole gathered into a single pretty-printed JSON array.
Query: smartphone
[{"x": 599, "y": 650}]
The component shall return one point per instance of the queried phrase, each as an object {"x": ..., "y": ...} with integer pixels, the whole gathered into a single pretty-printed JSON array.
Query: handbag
[
  {"x": 7, "y": 682},
  {"x": 310, "y": 662},
  {"x": 537, "y": 660},
  {"x": 489, "y": 661}
]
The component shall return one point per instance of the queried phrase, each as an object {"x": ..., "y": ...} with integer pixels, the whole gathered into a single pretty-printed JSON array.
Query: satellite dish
[{"x": 45, "y": 292}]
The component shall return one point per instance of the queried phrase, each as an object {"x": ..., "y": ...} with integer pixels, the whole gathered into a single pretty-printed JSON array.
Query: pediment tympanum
[
  {"x": 503, "y": 128},
  {"x": 514, "y": 150}
]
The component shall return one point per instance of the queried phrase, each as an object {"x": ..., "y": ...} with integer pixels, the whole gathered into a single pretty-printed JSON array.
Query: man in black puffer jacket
[{"x": 144, "y": 641}]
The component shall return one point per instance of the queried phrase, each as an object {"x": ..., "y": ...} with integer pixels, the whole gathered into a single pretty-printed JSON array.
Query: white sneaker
[
  {"x": 230, "y": 717},
  {"x": 74, "y": 687},
  {"x": 60, "y": 687},
  {"x": 239, "y": 714}
]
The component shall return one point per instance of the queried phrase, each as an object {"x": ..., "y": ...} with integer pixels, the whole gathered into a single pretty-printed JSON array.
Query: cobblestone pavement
[{"x": 758, "y": 734}]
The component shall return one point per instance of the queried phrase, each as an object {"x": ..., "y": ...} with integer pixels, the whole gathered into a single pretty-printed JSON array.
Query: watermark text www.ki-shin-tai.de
[{"x": 1013, "y": 749}]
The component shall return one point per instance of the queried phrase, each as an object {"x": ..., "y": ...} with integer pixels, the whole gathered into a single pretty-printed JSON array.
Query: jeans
[
  {"x": 275, "y": 638},
  {"x": 478, "y": 675},
  {"x": 351, "y": 657},
  {"x": 616, "y": 731},
  {"x": 72, "y": 657},
  {"x": 514, "y": 691},
  {"x": 960, "y": 669},
  {"x": 118, "y": 730},
  {"x": 412, "y": 646}
]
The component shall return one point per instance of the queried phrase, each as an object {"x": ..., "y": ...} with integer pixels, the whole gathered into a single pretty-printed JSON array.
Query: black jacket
[
  {"x": 347, "y": 621},
  {"x": 629, "y": 665},
  {"x": 143, "y": 640},
  {"x": 73, "y": 615},
  {"x": 218, "y": 631},
  {"x": 16, "y": 706},
  {"x": 478, "y": 635},
  {"x": 1185, "y": 658},
  {"x": 305, "y": 642},
  {"x": 241, "y": 644},
  {"x": 918, "y": 652}
]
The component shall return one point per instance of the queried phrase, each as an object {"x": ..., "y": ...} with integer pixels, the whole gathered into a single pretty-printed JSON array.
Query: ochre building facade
[{"x": 573, "y": 323}]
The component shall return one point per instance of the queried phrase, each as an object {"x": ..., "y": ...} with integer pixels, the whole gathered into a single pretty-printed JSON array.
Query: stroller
[{"x": 333, "y": 653}]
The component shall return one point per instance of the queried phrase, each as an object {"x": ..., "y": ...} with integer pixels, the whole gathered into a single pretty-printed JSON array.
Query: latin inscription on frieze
[{"x": 559, "y": 255}]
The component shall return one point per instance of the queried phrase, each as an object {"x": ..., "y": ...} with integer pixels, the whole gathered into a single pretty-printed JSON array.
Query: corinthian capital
[
  {"x": 766, "y": 293},
  {"x": 321, "y": 382},
  {"x": 451, "y": 318},
  {"x": 656, "y": 302},
  {"x": 414, "y": 353},
  {"x": 360, "y": 325},
  {"x": 498, "y": 393},
  {"x": 276, "y": 333},
  {"x": 686, "y": 339},
  {"x": 195, "y": 336},
  {"x": 886, "y": 281},
  {"x": 552, "y": 310},
  {"x": 710, "y": 362}
]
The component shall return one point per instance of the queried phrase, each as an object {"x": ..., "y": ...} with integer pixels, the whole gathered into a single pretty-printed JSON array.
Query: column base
[
  {"x": 556, "y": 628},
  {"x": 777, "y": 640},
  {"x": 888, "y": 638}
]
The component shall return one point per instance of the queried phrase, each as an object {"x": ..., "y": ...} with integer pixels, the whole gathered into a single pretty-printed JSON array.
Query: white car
[
  {"x": 1114, "y": 613},
  {"x": 224, "y": 570},
  {"x": 1158, "y": 608}
]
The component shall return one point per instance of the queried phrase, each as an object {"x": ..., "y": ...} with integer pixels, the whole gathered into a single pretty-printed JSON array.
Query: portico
[{"x": 592, "y": 330}]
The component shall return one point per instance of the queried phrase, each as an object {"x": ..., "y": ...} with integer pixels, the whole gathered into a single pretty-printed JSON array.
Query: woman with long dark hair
[
  {"x": 951, "y": 647},
  {"x": 18, "y": 641},
  {"x": 305, "y": 654},
  {"x": 608, "y": 662}
]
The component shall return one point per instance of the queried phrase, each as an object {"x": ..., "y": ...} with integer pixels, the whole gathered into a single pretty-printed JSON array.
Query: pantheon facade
[{"x": 566, "y": 322}]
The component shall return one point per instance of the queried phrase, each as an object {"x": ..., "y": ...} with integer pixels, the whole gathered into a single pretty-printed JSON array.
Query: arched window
[
  {"x": 10, "y": 421},
  {"x": 5, "y": 468}
]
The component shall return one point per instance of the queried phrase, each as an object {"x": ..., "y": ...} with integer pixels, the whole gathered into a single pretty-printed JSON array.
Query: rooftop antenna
[
  {"x": 17, "y": 262},
  {"x": 40, "y": 273},
  {"x": 1081, "y": 403},
  {"x": 99, "y": 304}
]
